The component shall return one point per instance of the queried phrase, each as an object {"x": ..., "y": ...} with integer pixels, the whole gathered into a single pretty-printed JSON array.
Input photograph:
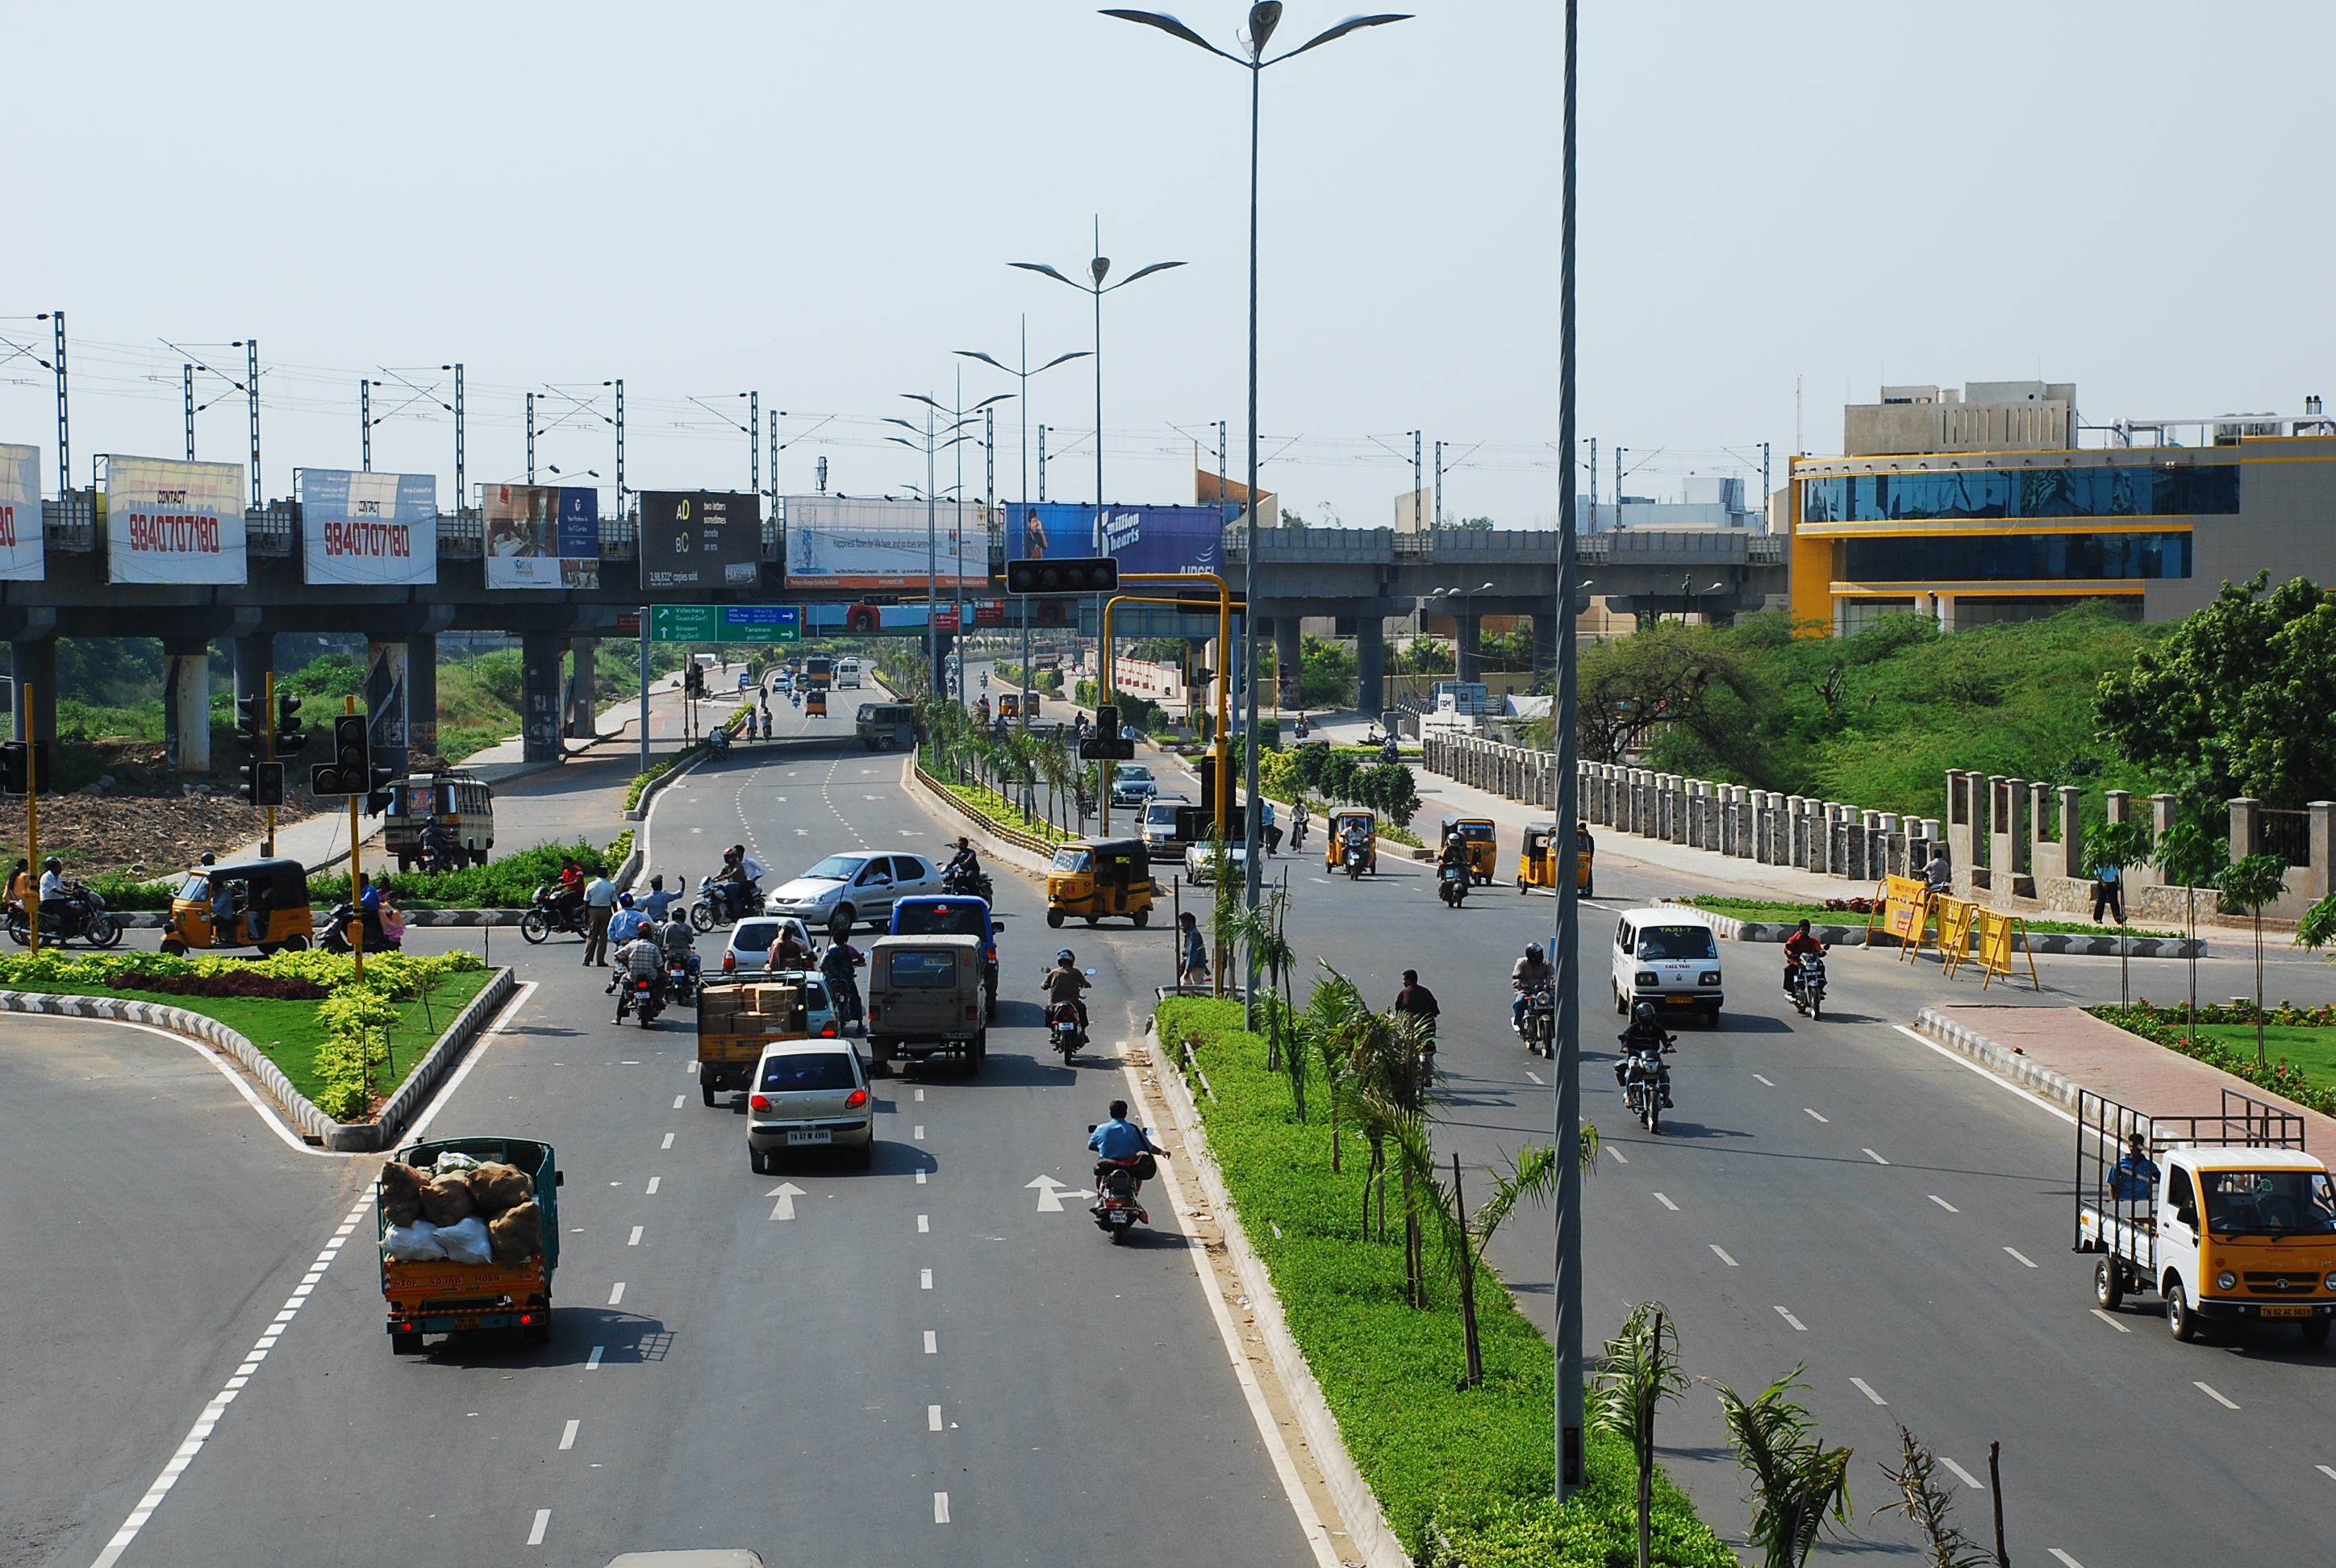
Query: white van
[
  {"x": 1668, "y": 956},
  {"x": 847, "y": 673}
]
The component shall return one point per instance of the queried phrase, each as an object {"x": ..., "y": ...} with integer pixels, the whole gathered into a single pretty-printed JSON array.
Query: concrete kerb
[
  {"x": 1366, "y": 1520},
  {"x": 341, "y": 1137},
  {"x": 1997, "y": 1058}
]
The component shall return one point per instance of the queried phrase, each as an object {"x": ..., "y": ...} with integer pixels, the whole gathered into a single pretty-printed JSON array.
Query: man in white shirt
[{"x": 599, "y": 904}]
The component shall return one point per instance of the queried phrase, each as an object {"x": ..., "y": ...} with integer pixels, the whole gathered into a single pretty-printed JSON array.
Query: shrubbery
[{"x": 1348, "y": 773}]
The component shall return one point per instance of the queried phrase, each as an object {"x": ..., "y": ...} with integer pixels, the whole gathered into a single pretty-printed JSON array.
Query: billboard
[
  {"x": 1143, "y": 538},
  {"x": 542, "y": 536},
  {"x": 369, "y": 528},
  {"x": 20, "y": 513},
  {"x": 843, "y": 541},
  {"x": 703, "y": 540},
  {"x": 172, "y": 522}
]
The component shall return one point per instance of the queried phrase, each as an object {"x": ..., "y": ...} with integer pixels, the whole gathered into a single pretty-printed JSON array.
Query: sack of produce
[
  {"x": 518, "y": 1233},
  {"x": 415, "y": 1243},
  {"x": 467, "y": 1242},
  {"x": 446, "y": 1199},
  {"x": 401, "y": 1193},
  {"x": 451, "y": 1161},
  {"x": 496, "y": 1188}
]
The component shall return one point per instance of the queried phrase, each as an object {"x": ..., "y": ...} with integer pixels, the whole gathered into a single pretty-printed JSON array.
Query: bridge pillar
[
  {"x": 385, "y": 695},
  {"x": 539, "y": 653},
  {"x": 187, "y": 703},
  {"x": 1288, "y": 658},
  {"x": 1468, "y": 646},
  {"x": 421, "y": 693},
  {"x": 36, "y": 660},
  {"x": 583, "y": 712},
  {"x": 1370, "y": 665}
]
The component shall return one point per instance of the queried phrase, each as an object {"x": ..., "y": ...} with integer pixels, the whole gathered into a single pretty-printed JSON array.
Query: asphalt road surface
[{"x": 921, "y": 1363}]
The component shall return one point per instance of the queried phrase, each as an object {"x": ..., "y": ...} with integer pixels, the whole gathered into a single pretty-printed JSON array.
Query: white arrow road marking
[
  {"x": 787, "y": 1192},
  {"x": 1051, "y": 1193}
]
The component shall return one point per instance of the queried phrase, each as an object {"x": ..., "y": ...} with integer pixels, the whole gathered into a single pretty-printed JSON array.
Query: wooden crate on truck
[{"x": 736, "y": 1019}]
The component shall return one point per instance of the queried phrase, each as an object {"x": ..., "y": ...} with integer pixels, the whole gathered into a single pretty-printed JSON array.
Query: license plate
[
  {"x": 1678, "y": 1001},
  {"x": 810, "y": 1135},
  {"x": 2287, "y": 1311}
]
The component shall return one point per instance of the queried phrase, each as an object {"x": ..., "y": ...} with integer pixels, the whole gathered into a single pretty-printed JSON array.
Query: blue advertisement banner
[{"x": 1143, "y": 538}]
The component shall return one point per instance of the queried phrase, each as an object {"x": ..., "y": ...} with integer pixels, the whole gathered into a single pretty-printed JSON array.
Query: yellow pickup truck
[{"x": 736, "y": 1019}]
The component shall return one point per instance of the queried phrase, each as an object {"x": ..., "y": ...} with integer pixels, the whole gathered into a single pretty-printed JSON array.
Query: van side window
[
  {"x": 1622, "y": 934},
  {"x": 2179, "y": 1193}
]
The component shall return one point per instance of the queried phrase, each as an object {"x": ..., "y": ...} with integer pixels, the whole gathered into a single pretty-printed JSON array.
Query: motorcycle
[
  {"x": 720, "y": 741},
  {"x": 681, "y": 979},
  {"x": 1063, "y": 1031},
  {"x": 1452, "y": 885},
  {"x": 722, "y": 903},
  {"x": 80, "y": 913},
  {"x": 1646, "y": 1079},
  {"x": 638, "y": 994},
  {"x": 1539, "y": 1031},
  {"x": 546, "y": 914},
  {"x": 969, "y": 883},
  {"x": 1355, "y": 859},
  {"x": 1116, "y": 1210},
  {"x": 1389, "y": 750},
  {"x": 1807, "y": 987},
  {"x": 334, "y": 938}
]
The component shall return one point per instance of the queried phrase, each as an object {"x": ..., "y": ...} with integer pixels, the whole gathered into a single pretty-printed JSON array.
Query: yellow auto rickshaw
[
  {"x": 271, "y": 896},
  {"x": 1334, "y": 838},
  {"x": 1484, "y": 846},
  {"x": 815, "y": 703},
  {"x": 1092, "y": 878},
  {"x": 1535, "y": 869}
]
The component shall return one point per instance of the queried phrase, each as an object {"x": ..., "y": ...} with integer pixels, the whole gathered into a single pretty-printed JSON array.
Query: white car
[
  {"x": 809, "y": 1095},
  {"x": 849, "y": 890},
  {"x": 748, "y": 951},
  {"x": 1668, "y": 956},
  {"x": 1160, "y": 839},
  {"x": 1199, "y": 862}
]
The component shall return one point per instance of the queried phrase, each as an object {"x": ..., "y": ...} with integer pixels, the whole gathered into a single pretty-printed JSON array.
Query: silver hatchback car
[{"x": 809, "y": 1094}]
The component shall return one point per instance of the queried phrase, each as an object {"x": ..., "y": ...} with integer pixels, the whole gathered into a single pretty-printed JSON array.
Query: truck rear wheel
[
  {"x": 2108, "y": 1285},
  {"x": 2179, "y": 1322}
]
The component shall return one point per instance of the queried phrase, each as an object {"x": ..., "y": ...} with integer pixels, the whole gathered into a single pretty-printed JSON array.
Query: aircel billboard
[
  {"x": 20, "y": 513},
  {"x": 172, "y": 522},
  {"x": 542, "y": 536},
  {"x": 368, "y": 528},
  {"x": 1143, "y": 538},
  {"x": 846, "y": 541}
]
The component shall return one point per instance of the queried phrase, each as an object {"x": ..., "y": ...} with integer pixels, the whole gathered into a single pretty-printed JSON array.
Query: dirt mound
[{"x": 145, "y": 836}]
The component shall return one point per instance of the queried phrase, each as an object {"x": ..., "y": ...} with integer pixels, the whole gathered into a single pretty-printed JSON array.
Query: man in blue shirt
[
  {"x": 1121, "y": 1139},
  {"x": 2134, "y": 1180},
  {"x": 658, "y": 900},
  {"x": 625, "y": 924}
]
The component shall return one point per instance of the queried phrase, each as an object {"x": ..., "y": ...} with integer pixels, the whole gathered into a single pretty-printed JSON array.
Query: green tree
[
  {"x": 1327, "y": 673},
  {"x": 2124, "y": 845},
  {"x": 2242, "y": 696},
  {"x": 2191, "y": 856},
  {"x": 1796, "y": 1480},
  {"x": 2250, "y": 884}
]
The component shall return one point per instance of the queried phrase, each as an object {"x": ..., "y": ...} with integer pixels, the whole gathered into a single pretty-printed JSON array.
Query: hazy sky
[{"x": 819, "y": 203}]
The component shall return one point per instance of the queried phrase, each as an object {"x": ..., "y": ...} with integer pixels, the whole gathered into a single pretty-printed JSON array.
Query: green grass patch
[
  {"x": 2299, "y": 1043},
  {"x": 1767, "y": 913},
  {"x": 1476, "y": 1465}
]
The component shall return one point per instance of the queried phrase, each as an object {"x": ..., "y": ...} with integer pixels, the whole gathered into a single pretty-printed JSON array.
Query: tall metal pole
[
  {"x": 186, "y": 386},
  {"x": 531, "y": 445},
  {"x": 1565, "y": 945},
  {"x": 620, "y": 446},
  {"x": 774, "y": 463},
  {"x": 251, "y": 399},
  {"x": 1042, "y": 465},
  {"x": 1418, "y": 480},
  {"x": 1022, "y": 606},
  {"x": 64, "y": 419},
  {"x": 462, "y": 493},
  {"x": 1439, "y": 484},
  {"x": 932, "y": 568},
  {"x": 1594, "y": 484},
  {"x": 1253, "y": 882},
  {"x": 753, "y": 451},
  {"x": 957, "y": 504},
  {"x": 645, "y": 687},
  {"x": 365, "y": 423}
]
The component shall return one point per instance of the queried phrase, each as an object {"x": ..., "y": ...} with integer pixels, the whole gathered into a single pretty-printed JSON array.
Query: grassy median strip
[{"x": 1464, "y": 1473}]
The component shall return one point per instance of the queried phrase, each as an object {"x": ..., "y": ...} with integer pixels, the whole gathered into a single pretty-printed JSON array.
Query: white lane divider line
[
  {"x": 941, "y": 1499},
  {"x": 1867, "y": 1388},
  {"x": 2324, "y": 1470},
  {"x": 1723, "y": 1255},
  {"x": 1535, "y": 1076},
  {"x": 1965, "y": 1476},
  {"x": 635, "y": 1240},
  {"x": 207, "y": 1421},
  {"x": 542, "y": 1523},
  {"x": 1869, "y": 1155},
  {"x": 1667, "y": 1204},
  {"x": 924, "y": 1224},
  {"x": 924, "y": 1278},
  {"x": 568, "y": 1437},
  {"x": 653, "y": 1185},
  {"x": 1619, "y": 1157},
  {"x": 669, "y": 1142},
  {"x": 920, "y": 1178},
  {"x": 921, "y": 1097},
  {"x": 2065, "y": 1561},
  {"x": 1812, "y": 1112},
  {"x": 1950, "y": 1208},
  {"x": 2112, "y": 1322},
  {"x": 676, "y": 1101},
  {"x": 592, "y": 1361},
  {"x": 932, "y": 1417},
  {"x": 2019, "y": 1254},
  {"x": 1764, "y": 1080},
  {"x": 617, "y": 1295},
  {"x": 920, "y": 1133},
  {"x": 932, "y": 1348},
  {"x": 1798, "y": 1327},
  {"x": 2208, "y": 1389}
]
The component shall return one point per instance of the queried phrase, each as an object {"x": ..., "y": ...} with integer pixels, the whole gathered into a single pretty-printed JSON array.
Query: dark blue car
[{"x": 953, "y": 917}]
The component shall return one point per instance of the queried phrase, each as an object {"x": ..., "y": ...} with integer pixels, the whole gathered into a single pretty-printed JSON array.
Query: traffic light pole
[
  {"x": 32, "y": 823},
  {"x": 356, "y": 867},
  {"x": 267, "y": 684}
]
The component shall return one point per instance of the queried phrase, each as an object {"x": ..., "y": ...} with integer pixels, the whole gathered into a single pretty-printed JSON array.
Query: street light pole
[{"x": 1262, "y": 20}]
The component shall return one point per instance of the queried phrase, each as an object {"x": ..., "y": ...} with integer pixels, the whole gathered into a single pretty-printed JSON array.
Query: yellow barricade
[
  {"x": 1997, "y": 933},
  {"x": 1901, "y": 909},
  {"x": 1954, "y": 931}
]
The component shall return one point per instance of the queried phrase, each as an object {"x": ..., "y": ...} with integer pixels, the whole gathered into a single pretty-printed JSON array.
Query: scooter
[
  {"x": 1808, "y": 987},
  {"x": 1355, "y": 860},
  {"x": 335, "y": 937},
  {"x": 1116, "y": 1210},
  {"x": 1452, "y": 885}
]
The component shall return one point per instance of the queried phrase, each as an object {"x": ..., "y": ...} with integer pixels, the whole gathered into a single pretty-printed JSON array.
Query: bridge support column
[
  {"x": 187, "y": 703},
  {"x": 36, "y": 661},
  {"x": 1547, "y": 627},
  {"x": 539, "y": 653},
  {"x": 1468, "y": 646},
  {"x": 583, "y": 712},
  {"x": 386, "y": 703},
  {"x": 1289, "y": 659},
  {"x": 1370, "y": 665},
  {"x": 421, "y": 694}
]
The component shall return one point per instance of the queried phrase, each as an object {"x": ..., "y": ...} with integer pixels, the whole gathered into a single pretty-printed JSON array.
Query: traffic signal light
[
  {"x": 290, "y": 739},
  {"x": 263, "y": 782},
  {"x": 350, "y": 772},
  {"x": 377, "y": 793},
  {"x": 1105, "y": 745},
  {"x": 16, "y": 759},
  {"x": 248, "y": 717},
  {"x": 1099, "y": 574}
]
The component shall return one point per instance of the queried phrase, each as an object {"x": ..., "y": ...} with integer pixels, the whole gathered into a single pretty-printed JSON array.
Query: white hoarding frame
[
  {"x": 368, "y": 530},
  {"x": 172, "y": 522},
  {"x": 22, "y": 548},
  {"x": 853, "y": 542}
]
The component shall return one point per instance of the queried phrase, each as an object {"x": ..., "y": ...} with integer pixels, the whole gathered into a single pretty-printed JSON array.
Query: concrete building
[{"x": 1980, "y": 506}]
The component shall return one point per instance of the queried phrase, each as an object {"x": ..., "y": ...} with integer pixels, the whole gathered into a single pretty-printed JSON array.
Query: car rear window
[
  {"x": 808, "y": 1070},
  {"x": 924, "y": 970},
  {"x": 754, "y": 935},
  {"x": 951, "y": 920},
  {"x": 1676, "y": 942}
]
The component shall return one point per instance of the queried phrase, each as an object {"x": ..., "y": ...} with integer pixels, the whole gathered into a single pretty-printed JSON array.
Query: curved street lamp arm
[
  {"x": 1143, "y": 272},
  {"x": 1174, "y": 29},
  {"x": 1351, "y": 25},
  {"x": 1042, "y": 267}
]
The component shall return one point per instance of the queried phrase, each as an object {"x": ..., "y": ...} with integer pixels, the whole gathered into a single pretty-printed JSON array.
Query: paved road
[
  {"x": 719, "y": 1376},
  {"x": 1841, "y": 1196}
]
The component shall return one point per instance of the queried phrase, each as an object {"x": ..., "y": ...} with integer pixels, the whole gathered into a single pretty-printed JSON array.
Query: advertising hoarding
[
  {"x": 21, "y": 534},
  {"x": 542, "y": 536},
  {"x": 1142, "y": 538},
  {"x": 843, "y": 541},
  {"x": 368, "y": 528},
  {"x": 700, "y": 540},
  {"x": 172, "y": 522}
]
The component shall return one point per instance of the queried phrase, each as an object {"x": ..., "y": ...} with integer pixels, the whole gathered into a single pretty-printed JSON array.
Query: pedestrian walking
[
  {"x": 2108, "y": 889},
  {"x": 1194, "y": 969},
  {"x": 599, "y": 904}
]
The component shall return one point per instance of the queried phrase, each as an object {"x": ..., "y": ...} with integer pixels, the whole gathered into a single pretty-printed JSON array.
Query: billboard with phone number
[
  {"x": 368, "y": 528},
  {"x": 171, "y": 522},
  {"x": 21, "y": 535}
]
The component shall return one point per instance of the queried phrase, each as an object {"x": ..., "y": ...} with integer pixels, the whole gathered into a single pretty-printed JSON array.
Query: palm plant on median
[
  {"x": 2250, "y": 884},
  {"x": 1797, "y": 1481},
  {"x": 1259, "y": 931},
  {"x": 1641, "y": 1374}
]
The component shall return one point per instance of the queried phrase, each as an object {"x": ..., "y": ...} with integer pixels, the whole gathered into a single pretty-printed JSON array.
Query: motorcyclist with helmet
[
  {"x": 1647, "y": 1034},
  {"x": 836, "y": 965},
  {"x": 625, "y": 924},
  {"x": 1527, "y": 976},
  {"x": 1062, "y": 983},
  {"x": 1452, "y": 866},
  {"x": 739, "y": 881}
]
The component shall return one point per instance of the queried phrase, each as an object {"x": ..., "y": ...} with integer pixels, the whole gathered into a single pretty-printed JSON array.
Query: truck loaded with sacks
[{"x": 470, "y": 1238}]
